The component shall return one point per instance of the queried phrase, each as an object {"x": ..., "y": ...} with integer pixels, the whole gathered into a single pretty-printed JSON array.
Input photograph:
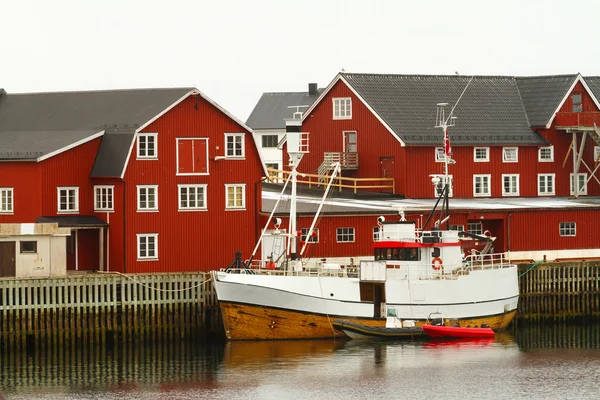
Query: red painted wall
[
  {"x": 193, "y": 240},
  {"x": 25, "y": 179}
]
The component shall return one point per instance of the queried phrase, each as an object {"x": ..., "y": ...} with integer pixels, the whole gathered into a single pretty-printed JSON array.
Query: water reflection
[{"x": 525, "y": 358}]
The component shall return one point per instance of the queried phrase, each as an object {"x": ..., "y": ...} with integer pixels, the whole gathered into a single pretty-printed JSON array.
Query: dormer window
[{"x": 576, "y": 99}]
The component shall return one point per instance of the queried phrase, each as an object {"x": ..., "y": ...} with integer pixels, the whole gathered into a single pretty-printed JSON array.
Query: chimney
[
  {"x": 2, "y": 92},
  {"x": 312, "y": 89}
]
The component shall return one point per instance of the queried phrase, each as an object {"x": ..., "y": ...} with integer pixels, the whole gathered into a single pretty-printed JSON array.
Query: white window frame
[
  {"x": 312, "y": 239},
  {"x": 376, "y": 232},
  {"x": 110, "y": 198},
  {"x": 440, "y": 154},
  {"x": 140, "y": 237},
  {"x": 487, "y": 177},
  {"x": 347, "y": 234},
  {"x": 551, "y": 159},
  {"x": 155, "y": 194},
  {"x": 235, "y": 135},
  {"x": 581, "y": 176},
  {"x": 344, "y": 112},
  {"x": 517, "y": 183},
  {"x": 487, "y": 154},
  {"x": 203, "y": 197},
  {"x": 270, "y": 135},
  {"x": 235, "y": 185},
  {"x": 437, "y": 193},
  {"x": 545, "y": 193},
  {"x": 505, "y": 151},
  {"x": 567, "y": 229},
  {"x": 596, "y": 153},
  {"x": 192, "y": 139},
  {"x": 7, "y": 200},
  {"x": 146, "y": 135},
  {"x": 74, "y": 210},
  {"x": 475, "y": 228}
]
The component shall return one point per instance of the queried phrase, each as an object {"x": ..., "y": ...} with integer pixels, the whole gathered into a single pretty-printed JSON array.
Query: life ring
[
  {"x": 270, "y": 265},
  {"x": 437, "y": 263}
]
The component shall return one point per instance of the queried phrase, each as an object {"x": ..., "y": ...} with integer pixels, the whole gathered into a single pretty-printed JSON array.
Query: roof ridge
[
  {"x": 99, "y": 91},
  {"x": 426, "y": 75}
]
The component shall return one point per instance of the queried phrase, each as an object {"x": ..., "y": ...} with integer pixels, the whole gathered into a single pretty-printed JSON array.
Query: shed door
[
  {"x": 7, "y": 259},
  {"x": 386, "y": 167}
]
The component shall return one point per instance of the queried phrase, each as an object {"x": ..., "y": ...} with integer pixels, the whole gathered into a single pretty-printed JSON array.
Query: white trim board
[{"x": 71, "y": 146}]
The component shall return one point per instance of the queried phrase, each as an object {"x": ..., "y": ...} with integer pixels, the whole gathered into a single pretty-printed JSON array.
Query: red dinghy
[{"x": 456, "y": 332}]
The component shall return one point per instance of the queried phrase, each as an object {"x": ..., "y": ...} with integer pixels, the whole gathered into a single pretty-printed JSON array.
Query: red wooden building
[
  {"x": 146, "y": 180},
  {"x": 525, "y": 148}
]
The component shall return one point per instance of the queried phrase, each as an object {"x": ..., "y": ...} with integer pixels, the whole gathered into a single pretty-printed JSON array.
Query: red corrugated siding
[
  {"x": 192, "y": 241},
  {"x": 25, "y": 179}
]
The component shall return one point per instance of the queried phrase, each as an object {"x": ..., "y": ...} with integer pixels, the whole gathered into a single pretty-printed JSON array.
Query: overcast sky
[{"x": 235, "y": 50}]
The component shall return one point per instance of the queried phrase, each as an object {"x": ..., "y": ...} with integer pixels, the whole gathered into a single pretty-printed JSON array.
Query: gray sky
[{"x": 235, "y": 50}]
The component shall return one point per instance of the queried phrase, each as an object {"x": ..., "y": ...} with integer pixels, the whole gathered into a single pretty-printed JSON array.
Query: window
[
  {"x": 581, "y": 184},
  {"x": 376, "y": 231},
  {"x": 192, "y": 197},
  {"x": 6, "y": 200},
  {"x": 440, "y": 186},
  {"x": 510, "y": 185},
  {"x": 567, "y": 229},
  {"x": 475, "y": 228},
  {"x": 29, "y": 247},
  {"x": 546, "y": 154},
  {"x": 270, "y": 167},
  {"x": 510, "y": 154},
  {"x": 481, "y": 185},
  {"x": 147, "y": 244},
  {"x": 314, "y": 237},
  {"x": 345, "y": 235},
  {"x": 342, "y": 108},
  {"x": 236, "y": 196},
  {"x": 350, "y": 141},
  {"x": 459, "y": 228},
  {"x": 440, "y": 154},
  {"x": 192, "y": 156},
  {"x": 234, "y": 145},
  {"x": 68, "y": 199},
  {"x": 270, "y": 140},
  {"x": 147, "y": 146},
  {"x": 576, "y": 99},
  {"x": 147, "y": 197},
  {"x": 596, "y": 153},
  {"x": 545, "y": 184},
  {"x": 481, "y": 154},
  {"x": 103, "y": 198}
]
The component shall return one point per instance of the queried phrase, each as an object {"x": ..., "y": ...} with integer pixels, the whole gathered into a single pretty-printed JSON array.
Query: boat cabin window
[
  {"x": 403, "y": 254},
  {"x": 436, "y": 252}
]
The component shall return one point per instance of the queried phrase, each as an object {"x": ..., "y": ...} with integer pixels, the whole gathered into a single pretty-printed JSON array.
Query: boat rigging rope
[
  {"x": 535, "y": 264},
  {"x": 151, "y": 287}
]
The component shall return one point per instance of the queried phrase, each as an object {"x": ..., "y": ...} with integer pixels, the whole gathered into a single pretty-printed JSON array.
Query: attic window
[
  {"x": 147, "y": 146},
  {"x": 576, "y": 99},
  {"x": 342, "y": 108}
]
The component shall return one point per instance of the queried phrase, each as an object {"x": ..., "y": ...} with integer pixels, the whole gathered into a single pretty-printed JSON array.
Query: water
[{"x": 557, "y": 362}]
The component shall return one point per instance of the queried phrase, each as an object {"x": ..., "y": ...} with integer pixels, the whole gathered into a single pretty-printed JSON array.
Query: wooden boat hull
[
  {"x": 360, "y": 331},
  {"x": 457, "y": 332},
  {"x": 251, "y": 322}
]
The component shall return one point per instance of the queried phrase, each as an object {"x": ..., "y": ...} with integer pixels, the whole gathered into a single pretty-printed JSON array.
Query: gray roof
[
  {"x": 272, "y": 108},
  {"x": 73, "y": 221},
  {"x": 594, "y": 84},
  {"x": 36, "y": 124},
  {"x": 491, "y": 110},
  {"x": 542, "y": 95},
  {"x": 112, "y": 154}
]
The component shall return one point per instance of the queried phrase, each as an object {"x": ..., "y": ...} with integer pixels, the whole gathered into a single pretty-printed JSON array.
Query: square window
[
  {"x": 440, "y": 154},
  {"x": 546, "y": 154},
  {"x": 510, "y": 154},
  {"x": 342, "y": 108},
  {"x": 440, "y": 186},
  {"x": 235, "y": 196},
  {"x": 581, "y": 184},
  {"x": 269, "y": 141},
  {"x": 103, "y": 198},
  {"x": 6, "y": 200},
  {"x": 314, "y": 237},
  {"x": 192, "y": 197},
  {"x": 481, "y": 154},
  {"x": 147, "y": 197},
  {"x": 68, "y": 199},
  {"x": 29, "y": 247},
  {"x": 510, "y": 185},
  {"x": 234, "y": 145},
  {"x": 147, "y": 245},
  {"x": 147, "y": 146},
  {"x": 481, "y": 185},
  {"x": 567, "y": 229},
  {"x": 545, "y": 184},
  {"x": 475, "y": 228},
  {"x": 345, "y": 235}
]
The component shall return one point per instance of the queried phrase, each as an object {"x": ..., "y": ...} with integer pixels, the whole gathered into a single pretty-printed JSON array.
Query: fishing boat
[
  {"x": 413, "y": 273},
  {"x": 436, "y": 331},
  {"x": 360, "y": 331}
]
